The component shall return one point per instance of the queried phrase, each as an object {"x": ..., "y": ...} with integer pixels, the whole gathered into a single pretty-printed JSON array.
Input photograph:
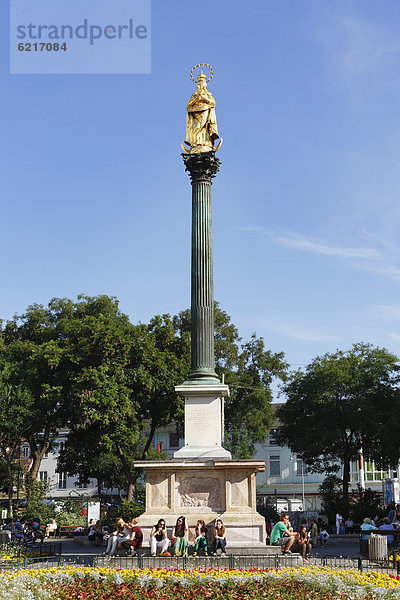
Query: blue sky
[{"x": 306, "y": 211}]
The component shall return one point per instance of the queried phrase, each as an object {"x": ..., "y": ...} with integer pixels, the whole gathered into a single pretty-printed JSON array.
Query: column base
[{"x": 202, "y": 453}]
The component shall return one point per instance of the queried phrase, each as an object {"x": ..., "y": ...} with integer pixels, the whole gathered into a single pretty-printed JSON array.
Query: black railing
[{"x": 244, "y": 561}]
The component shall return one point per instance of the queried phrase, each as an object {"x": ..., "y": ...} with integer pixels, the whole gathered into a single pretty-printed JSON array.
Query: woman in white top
[
  {"x": 158, "y": 538},
  {"x": 122, "y": 533}
]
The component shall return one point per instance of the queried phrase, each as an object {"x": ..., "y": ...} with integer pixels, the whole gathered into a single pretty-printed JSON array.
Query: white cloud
[
  {"x": 302, "y": 243},
  {"x": 381, "y": 261}
]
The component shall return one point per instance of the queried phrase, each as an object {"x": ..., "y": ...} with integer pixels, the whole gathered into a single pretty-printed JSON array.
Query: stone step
[{"x": 82, "y": 540}]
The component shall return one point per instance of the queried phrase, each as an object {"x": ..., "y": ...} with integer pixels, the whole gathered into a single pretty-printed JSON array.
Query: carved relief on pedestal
[{"x": 201, "y": 492}]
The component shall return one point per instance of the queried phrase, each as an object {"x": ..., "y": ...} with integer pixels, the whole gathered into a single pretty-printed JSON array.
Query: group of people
[
  {"x": 290, "y": 541},
  {"x": 342, "y": 525},
  {"x": 180, "y": 534},
  {"x": 385, "y": 526},
  {"x": 22, "y": 531},
  {"x": 128, "y": 535}
]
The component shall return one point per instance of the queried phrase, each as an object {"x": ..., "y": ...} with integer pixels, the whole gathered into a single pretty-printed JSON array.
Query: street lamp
[{"x": 302, "y": 480}]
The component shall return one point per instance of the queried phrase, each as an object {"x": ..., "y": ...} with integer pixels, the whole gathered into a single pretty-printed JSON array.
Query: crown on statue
[{"x": 202, "y": 76}]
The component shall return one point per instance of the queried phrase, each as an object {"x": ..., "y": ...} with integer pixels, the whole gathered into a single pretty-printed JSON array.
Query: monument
[{"x": 202, "y": 481}]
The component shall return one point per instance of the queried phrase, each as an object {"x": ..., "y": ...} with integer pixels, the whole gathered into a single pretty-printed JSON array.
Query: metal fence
[
  {"x": 359, "y": 564},
  {"x": 230, "y": 561},
  {"x": 43, "y": 555},
  {"x": 240, "y": 561}
]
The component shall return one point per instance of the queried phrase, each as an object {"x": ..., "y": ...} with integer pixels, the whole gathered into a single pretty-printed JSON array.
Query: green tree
[
  {"x": 37, "y": 506},
  {"x": 340, "y": 400},
  {"x": 83, "y": 365},
  {"x": 93, "y": 453},
  {"x": 36, "y": 357},
  {"x": 362, "y": 503},
  {"x": 160, "y": 361},
  {"x": 73, "y": 361},
  {"x": 15, "y": 409},
  {"x": 114, "y": 423}
]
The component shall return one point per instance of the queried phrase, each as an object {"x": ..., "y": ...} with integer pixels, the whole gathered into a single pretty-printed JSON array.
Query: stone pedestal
[
  {"x": 203, "y": 422},
  {"x": 207, "y": 490}
]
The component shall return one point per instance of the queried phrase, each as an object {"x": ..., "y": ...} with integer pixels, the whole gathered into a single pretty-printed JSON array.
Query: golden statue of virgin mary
[{"x": 201, "y": 121}]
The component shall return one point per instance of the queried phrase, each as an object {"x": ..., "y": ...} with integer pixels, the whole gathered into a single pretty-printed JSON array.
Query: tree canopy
[
  {"x": 339, "y": 401},
  {"x": 83, "y": 365}
]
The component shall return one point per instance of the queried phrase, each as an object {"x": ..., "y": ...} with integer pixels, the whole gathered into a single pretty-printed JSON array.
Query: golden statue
[{"x": 201, "y": 121}]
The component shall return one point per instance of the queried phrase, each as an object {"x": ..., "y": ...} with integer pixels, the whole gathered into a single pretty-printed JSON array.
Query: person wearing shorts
[{"x": 281, "y": 536}]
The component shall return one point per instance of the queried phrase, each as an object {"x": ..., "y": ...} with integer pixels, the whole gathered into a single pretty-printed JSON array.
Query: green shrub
[
  {"x": 124, "y": 510},
  {"x": 70, "y": 512},
  {"x": 36, "y": 506}
]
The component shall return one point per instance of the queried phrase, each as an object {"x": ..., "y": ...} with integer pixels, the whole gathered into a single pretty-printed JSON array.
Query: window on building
[
  {"x": 62, "y": 481},
  {"x": 82, "y": 485},
  {"x": 301, "y": 467},
  {"x": 274, "y": 465},
  {"x": 371, "y": 471},
  {"x": 61, "y": 446},
  {"x": 173, "y": 440},
  {"x": 43, "y": 476},
  {"x": 25, "y": 452},
  {"x": 272, "y": 438}
]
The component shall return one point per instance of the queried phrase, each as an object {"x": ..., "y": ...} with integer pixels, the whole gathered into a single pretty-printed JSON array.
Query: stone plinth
[
  {"x": 207, "y": 490},
  {"x": 203, "y": 422}
]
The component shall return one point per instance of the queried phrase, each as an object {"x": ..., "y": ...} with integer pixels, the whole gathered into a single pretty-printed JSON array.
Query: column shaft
[
  {"x": 202, "y": 302},
  {"x": 202, "y": 168}
]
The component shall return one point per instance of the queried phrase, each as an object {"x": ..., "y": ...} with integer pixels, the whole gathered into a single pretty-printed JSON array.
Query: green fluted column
[{"x": 202, "y": 168}]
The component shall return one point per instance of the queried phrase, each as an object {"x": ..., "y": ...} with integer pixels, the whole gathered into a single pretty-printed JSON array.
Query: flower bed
[{"x": 304, "y": 583}]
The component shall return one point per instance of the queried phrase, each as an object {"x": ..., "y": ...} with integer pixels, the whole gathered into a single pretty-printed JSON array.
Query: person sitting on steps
[
  {"x": 302, "y": 543},
  {"x": 179, "y": 533},
  {"x": 220, "y": 540},
  {"x": 158, "y": 538},
  {"x": 96, "y": 533},
  {"x": 136, "y": 540},
  {"x": 122, "y": 533},
  {"x": 282, "y": 536},
  {"x": 201, "y": 538}
]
